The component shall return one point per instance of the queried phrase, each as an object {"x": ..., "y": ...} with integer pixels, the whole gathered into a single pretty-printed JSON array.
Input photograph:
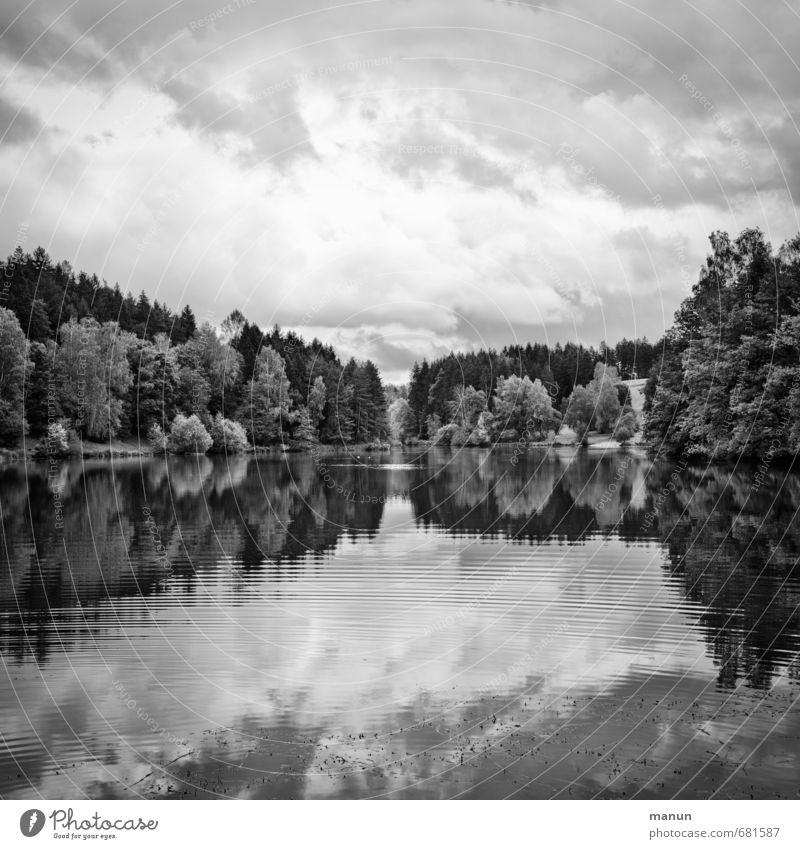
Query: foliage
[
  {"x": 94, "y": 376},
  {"x": 444, "y": 435},
  {"x": 579, "y": 412},
  {"x": 484, "y": 428},
  {"x": 266, "y": 405},
  {"x": 14, "y": 363},
  {"x": 727, "y": 383},
  {"x": 153, "y": 393},
  {"x": 633, "y": 358},
  {"x": 367, "y": 402},
  {"x": 418, "y": 388},
  {"x": 42, "y": 401},
  {"x": 114, "y": 365},
  {"x": 317, "y": 398},
  {"x": 188, "y": 436},
  {"x": 466, "y": 405},
  {"x": 228, "y": 436},
  {"x": 345, "y": 420},
  {"x": 192, "y": 389},
  {"x": 305, "y": 434},
  {"x": 432, "y": 424},
  {"x": 402, "y": 422},
  {"x": 44, "y": 295},
  {"x": 219, "y": 364},
  {"x": 521, "y": 406},
  {"x": 55, "y": 443},
  {"x": 525, "y": 407},
  {"x": 157, "y": 438},
  {"x": 603, "y": 388},
  {"x": 626, "y": 426},
  {"x": 603, "y": 404}
]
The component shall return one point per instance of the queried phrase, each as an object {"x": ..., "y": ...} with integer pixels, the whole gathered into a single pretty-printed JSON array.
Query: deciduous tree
[{"x": 14, "y": 364}]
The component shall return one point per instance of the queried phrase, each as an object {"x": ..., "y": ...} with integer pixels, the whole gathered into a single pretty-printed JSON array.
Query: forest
[
  {"x": 81, "y": 360},
  {"x": 727, "y": 379},
  {"x": 522, "y": 392},
  {"x": 723, "y": 382}
]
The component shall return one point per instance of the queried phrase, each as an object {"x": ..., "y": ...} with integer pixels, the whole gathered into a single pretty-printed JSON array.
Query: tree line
[
  {"x": 78, "y": 359},
  {"x": 727, "y": 378},
  {"x": 723, "y": 381},
  {"x": 486, "y": 396}
]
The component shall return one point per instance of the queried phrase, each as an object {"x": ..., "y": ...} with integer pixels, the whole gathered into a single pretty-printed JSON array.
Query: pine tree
[
  {"x": 418, "y": 389},
  {"x": 41, "y": 392}
]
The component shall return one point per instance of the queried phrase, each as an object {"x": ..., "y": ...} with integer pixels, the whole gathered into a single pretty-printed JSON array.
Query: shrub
[
  {"x": 475, "y": 438},
  {"x": 75, "y": 443},
  {"x": 444, "y": 435},
  {"x": 55, "y": 443},
  {"x": 626, "y": 427},
  {"x": 12, "y": 422},
  {"x": 479, "y": 438},
  {"x": 188, "y": 436},
  {"x": 432, "y": 423},
  {"x": 459, "y": 436},
  {"x": 377, "y": 445},
  {"x": 57, "y": 440},
  {"x": 157, "y": 438},
  {"x": 228, "y": 436}
]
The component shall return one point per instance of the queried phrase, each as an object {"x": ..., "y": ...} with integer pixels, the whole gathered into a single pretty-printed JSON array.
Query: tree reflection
[
  {"x": 735, "y": 546},
  {"x": 77, "y": 535},
  {"x": 541, "y": 496},
  {"x": 123, "y": 529},
  {"x": 731, "y": 535}
]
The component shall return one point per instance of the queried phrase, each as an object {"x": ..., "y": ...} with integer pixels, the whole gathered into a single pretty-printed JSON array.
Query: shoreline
[{"x": 127, "y": 451}]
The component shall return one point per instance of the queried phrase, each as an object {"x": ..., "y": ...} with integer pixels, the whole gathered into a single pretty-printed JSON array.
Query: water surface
[{"x": 576, "y": 624}]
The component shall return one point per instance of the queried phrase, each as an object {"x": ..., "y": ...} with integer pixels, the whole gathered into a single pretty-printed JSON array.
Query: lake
[{"x": 556, "y": 624}]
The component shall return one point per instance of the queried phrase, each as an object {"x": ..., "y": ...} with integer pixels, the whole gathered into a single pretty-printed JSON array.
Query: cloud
[
  {"x": 476, "y": 174},
  {"x": 17, "y": 125}
]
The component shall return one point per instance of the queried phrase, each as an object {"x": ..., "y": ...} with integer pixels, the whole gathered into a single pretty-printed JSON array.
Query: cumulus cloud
[{"x": 401, "y": 178}]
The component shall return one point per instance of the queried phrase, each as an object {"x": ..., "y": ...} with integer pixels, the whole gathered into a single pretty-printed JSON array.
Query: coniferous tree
[
  {"x": 418, "y": 389},
  {"x": 183, "y": 327},
  {"x": 152, "y": 397},
  {"x": 724, "y": 383},
  {"x": 41, "y": 392}
]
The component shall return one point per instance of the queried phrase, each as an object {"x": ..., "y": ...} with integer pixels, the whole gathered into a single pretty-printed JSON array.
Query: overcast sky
[{"x": 401, "y": 178}]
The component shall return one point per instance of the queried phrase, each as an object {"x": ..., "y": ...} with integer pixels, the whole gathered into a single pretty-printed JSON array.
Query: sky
[{"x": 401, "y": 178}]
